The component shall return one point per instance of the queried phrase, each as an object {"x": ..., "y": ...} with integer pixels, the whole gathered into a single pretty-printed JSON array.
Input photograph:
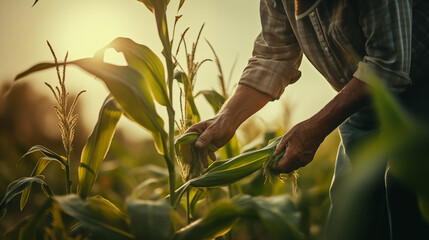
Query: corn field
[{"x": 172, "y": 196}]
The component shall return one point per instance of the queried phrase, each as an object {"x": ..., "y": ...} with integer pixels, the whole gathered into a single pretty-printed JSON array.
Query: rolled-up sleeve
[
  {"x": 276, "y": 53},
  {"x": 387, "y": 27}
]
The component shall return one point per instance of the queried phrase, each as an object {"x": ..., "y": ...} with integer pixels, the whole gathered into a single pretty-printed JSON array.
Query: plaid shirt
[{"x": 342, "y": 39}]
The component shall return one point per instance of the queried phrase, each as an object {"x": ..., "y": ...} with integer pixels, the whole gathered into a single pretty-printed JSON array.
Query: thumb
[{"x": 204, "y": 139}]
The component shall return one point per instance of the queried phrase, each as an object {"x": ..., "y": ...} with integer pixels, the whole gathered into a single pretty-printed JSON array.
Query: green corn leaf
[
  {"x": 146, "y": 188},
  {"x": 277, "y": 214},
  {"x": 218, "y": 222},
  {"x": 50, "y": 156},
  {"x": 403, "y": 142},
  {"x": 97, "y": 146},
  {"x": 102, "y": 218},
  {"x": 15, "y": 233},
  {"x": 192, "y": 114},
  {"x": 45, "y": 151},
  {"x": 146, "y": 62},
  {"x": 33, "y": 227},
  {"x": 229, "y": 171},
  {"x": 424, "y": 206},
  {"x": 179, "y": 76},
  {"x": 188, "y": 139},
  {"x": 18, "y": 186},
  {"x": 213, "y": 98},
  {"x": 159, "y": 8},
  {"x": 38, "y": 169},
  {"x": 150, "y": 220},
  {"x": 123, "y": 83},
  {"x": 390, "y": 112},
  {"x": 190, "y": 162}
]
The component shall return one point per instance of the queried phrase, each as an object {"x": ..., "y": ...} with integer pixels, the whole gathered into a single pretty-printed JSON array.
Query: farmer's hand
[
  {"x": 218, "y": 131},
  {"x": 301, "y": 143}
]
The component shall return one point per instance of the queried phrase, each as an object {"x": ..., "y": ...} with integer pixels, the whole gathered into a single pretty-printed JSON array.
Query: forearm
[
  {"x": 244, "y": 103},
  {"x": 352, "y": 98}
]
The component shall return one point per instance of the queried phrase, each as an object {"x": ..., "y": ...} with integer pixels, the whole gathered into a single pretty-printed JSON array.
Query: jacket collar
[{"x": 305, "y": 7}]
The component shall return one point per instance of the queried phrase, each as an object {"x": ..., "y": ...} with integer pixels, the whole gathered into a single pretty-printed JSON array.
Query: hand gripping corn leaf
[{"x": 225, "y": 172}]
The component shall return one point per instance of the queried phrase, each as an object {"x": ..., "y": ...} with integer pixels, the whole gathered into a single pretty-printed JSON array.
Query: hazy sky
[{"x": 84, "y": 26}]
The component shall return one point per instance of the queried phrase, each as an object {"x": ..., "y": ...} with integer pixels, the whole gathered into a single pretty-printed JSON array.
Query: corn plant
[
  {"x": 134, "y": 91},
  {"x": 67, "y": 120}
]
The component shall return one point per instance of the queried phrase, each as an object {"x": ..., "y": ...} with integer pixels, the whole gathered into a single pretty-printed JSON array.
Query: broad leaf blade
[
  {"x": 229, "y": 171},
  {"x": 32, "y": 227},
  {"x": 277, "y": 214},
  {"x": 97, "y": 146},
  {"x": 146, "y": 63},
  {"x": 150, "y": 220},
  {"x": 45, "y": 151},
  {"x": 218, "y": 221},
  {"x": 214, "y": 99},
  {"x": 388, "y": 109},
  {"x": 123, "y": 83},
  {"x": 38, "y": 169},
  {"x": 17, "y": 187},
  {"x": 101, "y": 217}
]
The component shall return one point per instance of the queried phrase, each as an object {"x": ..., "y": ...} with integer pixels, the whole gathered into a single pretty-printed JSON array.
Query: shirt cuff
[
  {"x": 269, "y": 76},
  {"x": 368, "y": 70}
]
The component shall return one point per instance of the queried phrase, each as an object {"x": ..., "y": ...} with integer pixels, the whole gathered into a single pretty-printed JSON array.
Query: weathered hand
[
  {"x": 301, "y": 143},
  {"x": 218, "y": 130}
]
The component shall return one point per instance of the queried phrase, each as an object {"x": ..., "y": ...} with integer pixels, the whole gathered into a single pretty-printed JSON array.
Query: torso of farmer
[{"x": 341, "y": 38}]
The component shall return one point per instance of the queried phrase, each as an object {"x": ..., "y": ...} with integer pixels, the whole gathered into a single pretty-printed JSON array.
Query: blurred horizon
[{"x": 82, "y": 27}]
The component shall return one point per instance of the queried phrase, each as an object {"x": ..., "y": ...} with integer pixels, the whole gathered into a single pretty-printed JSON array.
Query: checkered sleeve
[
  {"x": 387, "y": 28},
  {"x": 276, "y": 53}
]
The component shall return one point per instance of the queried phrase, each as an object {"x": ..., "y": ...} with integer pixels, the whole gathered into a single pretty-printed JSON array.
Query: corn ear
[
  {"x": 190, "y": 163},
  {"x": 226, "y": 172}
]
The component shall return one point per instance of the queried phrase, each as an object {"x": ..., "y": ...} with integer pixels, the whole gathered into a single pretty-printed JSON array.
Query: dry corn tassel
[{"x": 225, "y": 172}]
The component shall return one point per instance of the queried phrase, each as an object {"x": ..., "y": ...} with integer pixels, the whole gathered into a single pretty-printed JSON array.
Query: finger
[
  {"x": 198, "y": 128},
  {"x": 203, "y": 157},
  {"x": 281, "y": 146},
  {"x": 288, "y": 162},
  {"x": 212, "y": 156},
  {"x": 204, "y": 139}
]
